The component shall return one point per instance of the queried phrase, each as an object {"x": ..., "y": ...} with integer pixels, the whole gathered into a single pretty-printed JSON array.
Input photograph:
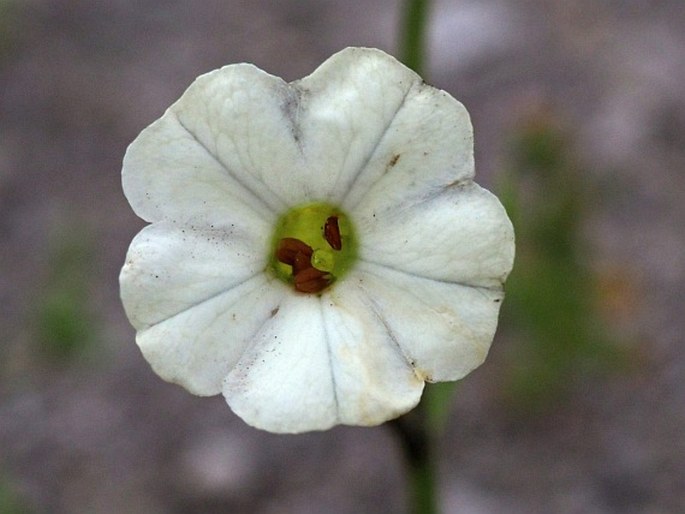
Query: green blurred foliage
[
  {"x": 10, "y": 503},
  {"x": 64, "y": 322},
  {"x": 9, "y": 27},
  {"x": 552, "y": 296},
  {"x": 439, "y": 398}
]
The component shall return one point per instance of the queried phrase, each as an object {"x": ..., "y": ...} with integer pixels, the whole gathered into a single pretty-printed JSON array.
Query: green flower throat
[{"x": 313, "y": 246}]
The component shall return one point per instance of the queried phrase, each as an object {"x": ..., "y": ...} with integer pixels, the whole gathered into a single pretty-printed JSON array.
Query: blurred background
[{"x": 579, "y": 116}]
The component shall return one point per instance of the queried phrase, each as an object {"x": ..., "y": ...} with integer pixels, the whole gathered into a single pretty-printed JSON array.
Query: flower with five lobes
[{"x": 317, "y": 250}]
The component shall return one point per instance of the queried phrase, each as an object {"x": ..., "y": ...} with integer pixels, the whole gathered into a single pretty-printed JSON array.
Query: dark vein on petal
[
  {"x": 251, "y": 340},
  {"x": 258, "y": 274},
  {"x": 375, "y": 309},
  {"x": 373, "y": 151},
  {"x": 292, "y": 108},
  {"x": 234, "y": 176},
  {"x": 427, "y": 303},
  {"x": 417, "y": 200},
  {"x": 423, "y": 303},
  {"x": 495, "y": 288},
  {"x": 330, "y": 361}
]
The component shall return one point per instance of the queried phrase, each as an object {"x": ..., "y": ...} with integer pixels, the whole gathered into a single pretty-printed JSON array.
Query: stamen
[
  {"x": 298, "y": 254},
  {"x": 289, "y": 247},
  {"x": 309, "y": 255},
  {"x": 312, "y": 280},
  {"x": 331, "y": 231},
  {"x": 301, "y": 262}
]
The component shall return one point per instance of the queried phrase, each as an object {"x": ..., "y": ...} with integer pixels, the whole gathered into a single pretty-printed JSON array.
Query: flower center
[{"x": 313, "y": 246}]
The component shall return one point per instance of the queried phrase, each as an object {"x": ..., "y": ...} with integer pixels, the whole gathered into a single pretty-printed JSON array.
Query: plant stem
[
  {"x": 412, "y": 35},
  {"x": 416, "y": 429},
  {"x": 416, "y": 437}
]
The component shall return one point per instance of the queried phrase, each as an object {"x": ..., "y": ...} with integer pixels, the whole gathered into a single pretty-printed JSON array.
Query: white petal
[
  {"x": 270, "y": 145},
  {"x": 444, "y": 329},
  {"x": 169, "y": 175},
  {"x": 374, "y": 381},
  {"x": 319, "y": 362},
  {"x": 197, "y": 347},
  {"x": 428, "y": 145},
  {"x": 169, "y": 269},
  {"x": 246, "y": 118},
  {"x": 283, "y": 382},
  {"x": 347, "y": 106},
  {"x": 459, "y": 234}
]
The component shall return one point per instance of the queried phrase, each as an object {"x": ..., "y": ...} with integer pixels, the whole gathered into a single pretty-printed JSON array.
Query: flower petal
[
  {"x": 374, "y": 381},
  {"x": 270, "y": 144},
  {"x": 444, "y": 329},
  {"x": 427, "y": 146},
  {"x": 170, "y": 269},
  {"x": 198, "y": 347},
  {"x": 246, "y": 119},
  {"x": 347, "y": 106},
  {"x": 283, "y": 382},
  {"x": 459, "y": 234},
  {"x": 320, "y": 362},
  {"x": 169, "y": 175}
]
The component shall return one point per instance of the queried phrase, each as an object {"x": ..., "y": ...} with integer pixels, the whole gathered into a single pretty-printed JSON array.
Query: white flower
[{"x": 244, "y": 160}]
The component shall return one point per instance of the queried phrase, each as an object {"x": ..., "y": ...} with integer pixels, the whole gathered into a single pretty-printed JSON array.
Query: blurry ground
[{"x": 84, "y": 424}]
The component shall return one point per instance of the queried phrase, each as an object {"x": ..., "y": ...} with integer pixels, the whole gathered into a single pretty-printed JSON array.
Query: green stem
[
  {"x": 412, "y": 35},
  {"x": 415, "y": 429},
  {"x": 417, "y": 441}
]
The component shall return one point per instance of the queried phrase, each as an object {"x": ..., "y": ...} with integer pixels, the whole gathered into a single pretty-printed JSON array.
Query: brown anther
[
  {"x": 312, "y": 280},
  {"x": 298, "y": 254},
  {"x": 289, "y": 247},
  {"x": 301, "y": 262},
  {"x": 331, "y": 232}
]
